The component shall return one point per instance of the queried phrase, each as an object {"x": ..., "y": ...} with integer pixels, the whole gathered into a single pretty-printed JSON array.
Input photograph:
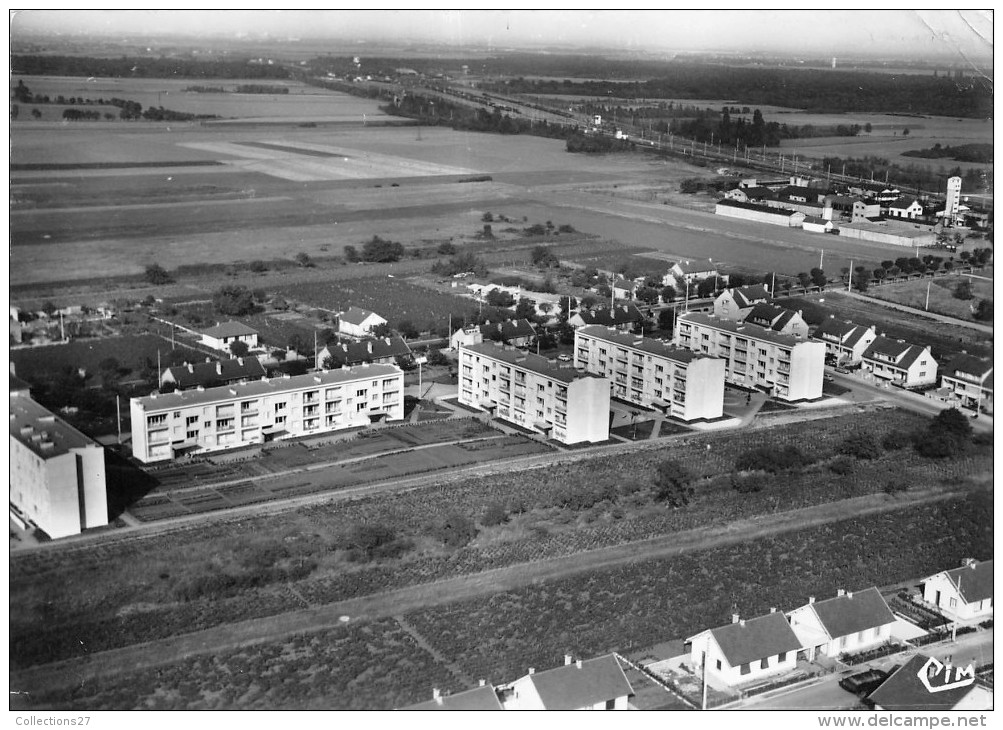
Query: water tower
[{"x": 953, "y": 200}]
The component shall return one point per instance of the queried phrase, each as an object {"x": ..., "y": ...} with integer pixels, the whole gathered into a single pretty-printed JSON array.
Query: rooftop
[
  {"x": 356, "y": 315},
  {"x": 265, "y": 386},
  {"x": 756, "y": 638},
  {"x": 622, "y": 314},
  {"x": 42, "y": 431},
  {"x": 700, "y": 265},
  {"x": 904, "y": 690},
  {"x": 755, "y": 206},
  {"x": 214, "y": 372},
  {"x": 525, "y": 360},
  {"x": 583, "y": 684},
  {"x": 853, "y": 612},
  {"x": 644, "y": 344},
  {"x": 229, "y": 329},
  {"x": 969, "y": 365},
  {"x": 974, "y": 582},
  {"x": 479, "y": 698},
  {"x": 367, "y": 350},
  {"x": 746, "y": 296},
  {"x": 903, "y": 353},
  {"x": 739, "y": 328}
]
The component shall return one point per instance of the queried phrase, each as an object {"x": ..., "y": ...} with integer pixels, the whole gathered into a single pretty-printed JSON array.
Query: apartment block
[
  {"x": 755, "y": 357},
  {"x": 534, "y": 393},
  {"x": 211, "y": 419},
  {"x": 642, "y": 370}
]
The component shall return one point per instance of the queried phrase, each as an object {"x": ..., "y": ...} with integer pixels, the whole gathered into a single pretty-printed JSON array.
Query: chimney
[
  {"x": 567, "y": 659},
  {"x": 531, "y": 671},
  {"x": 734, "y": 618},
  {"x": 840, "y": 592},
  {"x": 219, "y": 368},
  {"x": 240, "y": 361},
  {"x": 579, "y": 664},
  {"x": 437, "y": 695},
  {"x": 742, "y": 622},
  {"x": 481, "y": 683},
  {"x": 849, "y": 594},
  {"x": 773, "y": 609},
  {"x": 191, "y": 368},
  {"x": 811, "y": 600}
]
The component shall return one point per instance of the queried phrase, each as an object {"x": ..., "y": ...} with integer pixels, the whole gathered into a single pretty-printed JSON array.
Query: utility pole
[
  {"x": 820, "y": 257},
  {"x": 849, "y": 278},
  {"x": 62, "y": 332},
  {"x": 703, "y": 701},
  {"x": 926, "y": 307},
  {"x": 118, "y": 411}
]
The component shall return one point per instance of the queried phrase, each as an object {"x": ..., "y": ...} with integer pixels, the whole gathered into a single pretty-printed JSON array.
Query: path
[
  {"x": 985, "y": 328},
  {"x": 398, "y": 602}
]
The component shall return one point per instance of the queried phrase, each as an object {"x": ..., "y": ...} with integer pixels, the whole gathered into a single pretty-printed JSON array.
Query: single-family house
[
  {"x": 924, "y": 684},
  {"x": 373, "y": 350},
  {"x": 517, "y": 332},
  {"x": 778, "y": 319},
  {"x": 962, "y": 594},
  {"x": 969, "y": 382},
  {"x": 817, "y": 224},
  {"x": 845, "y": 342},
  {"x": 752, "y": 194},
  {"x": 622, "y": 317},
  {"x": 896, "y": 361},
  {"x": 905, "y": 207},
  {"x": 210, "y": 374},
  {"x": 223, "y": 335},
  {"x": 626, "y": 288},
  {"x": 691, "y": 271},
  {"x": 746, "y": 650},
  {"x": 851, "y": 622},
  {"x": 737, "y": 302},
  {"x": 356, "y": 322},
  {"x": 589, "y": 684},
  {"x": 476, "y": 699}
]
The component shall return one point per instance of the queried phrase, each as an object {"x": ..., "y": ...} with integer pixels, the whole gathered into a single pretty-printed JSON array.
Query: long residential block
[
  {"x": 534, "y": 393},
  {"x": 57, "y": 474},
  {"x": 211, "y": 419},
  {"x": 788, "y": 368},
  {"x": 648, "y": 372}
]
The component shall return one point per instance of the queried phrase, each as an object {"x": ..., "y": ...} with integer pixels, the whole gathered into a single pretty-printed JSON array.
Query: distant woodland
[{"x": 158, "y": 68}]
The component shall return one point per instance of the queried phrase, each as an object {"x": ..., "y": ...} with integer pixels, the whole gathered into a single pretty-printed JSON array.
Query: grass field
[
  {"x": 942, "y": 299},
  {"x": 133, "y": 352}
]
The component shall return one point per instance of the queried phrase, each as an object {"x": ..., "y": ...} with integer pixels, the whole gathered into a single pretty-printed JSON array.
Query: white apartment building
[
  {"x": 682, "y": 383},
  {"x": 57, "y": 474},
  {"x": 755, "y": 357},
  {"x": 534, "y": 393},
  {"x": 242, "y": 414}
]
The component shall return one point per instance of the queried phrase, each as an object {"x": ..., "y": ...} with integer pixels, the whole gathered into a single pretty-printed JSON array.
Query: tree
[
  {"x": 647, "y": 294},
  {"x": 861, "y": 278},
  {"x": 379, "y": 250},
  {"x": 984, "y": 311},
  {"x": 407, "y": 329},
  {"x": 351, "y": 254},
  {"x": 499, "y": 298},
  {"x": 861, "y": 445},
  {"x": 304, "y": 260},
  {"x": 818, "y": 277},
  {"x": 381, "y": 330},
  {"x": 487, "y": 217},
  {"x": 239, "y": 348},
  {"x": 667, "y": 320},
  {"x": 494, "y": 514},
  {"x": 963, "y": 290},
  {"x": 668, "y": 293},
  {"x": 706, "y": 287},
  {"x": 879, "y": 273},
  {"x": 297, "y": 343},
  {"x": 157, "y": 275},
  {"x": 49, "y": 308},
  {"x": 446, "y": 248},
  {"x": 804, "y": 280},
  {"x": 454, "y": 529},
  {"x": 36, "y": 113},
  {"x": 947, "y": 435},
  {"x": 234, "y": 300},
  {"x": 544, "y": 257},
  {"x": 278, "y": 355},
  {"x": 525, "y": 309},
  {"x": 673, "y": 484}
]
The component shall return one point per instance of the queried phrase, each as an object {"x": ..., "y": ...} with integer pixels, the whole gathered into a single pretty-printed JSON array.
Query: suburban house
[
  {"x": 969, "y": 382},
  {"x": 210, "y": 373},
  {"x": 517, "y": 332},
  {"x": 626, "y": 288},
  {"x": 735, "y": 303},
  {"x": 376, "y": 350},
  {"x": 760, "y": 213},
  {"x": 746, "y": 650},
  {"x": 589, "y": 684},
  {"x": 896, "y": 361},
  {"x": 621, "y": 317},
  {"x": 653, "y": 374},
  {"x": 232, "y": 416},
  {"x": 778, "y": 319},
  {"x": 476, "y": 699},
  {"x": 57, "y": 474},
  {"x": 850, "y": 622},
  {"x": 962, "y": 594},
  {"x": 534, "y": 393},
  {"x": 689, "y": 272},
  {"x": 905, "y": 208},
  {"x": 756, "y": 357},
  {"x": 223, "y": 335},
  {"x": 752, "y": 194},
  {"x": 945, "y": 688},
  {"x": 845, "y": 342},
  {"x": 356, "y": 322}
]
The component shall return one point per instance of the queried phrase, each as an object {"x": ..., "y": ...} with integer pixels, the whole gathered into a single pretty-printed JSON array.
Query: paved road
[
  {"x": 390, "y": 603},
  {"x": 986, "y": 328}
]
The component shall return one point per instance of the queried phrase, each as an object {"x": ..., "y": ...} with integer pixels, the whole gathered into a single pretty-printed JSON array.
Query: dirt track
[{"x": 255, "y": 631}]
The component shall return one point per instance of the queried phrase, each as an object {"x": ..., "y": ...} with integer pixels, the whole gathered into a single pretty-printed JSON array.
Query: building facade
[
  {"x": 223, "y": 335},
  {"x": 743, "y": 651},
  {"x": 845, "y": 342},
  {"x": 962, "y": 594},
  {"x": 760, "y": 213},
  {"x": 898, "y": 362},
  {"x": 57, "y": 474},
  {"x": 534, "y": 393},
  {"x": 737, "y": 302},
  {"x": 650, "y": 373},
  {"x": 755, "y": 357},
  {"x": 518, "y": 332},
  {"x": 849, "y": 623},
  {"x": 357, "y": 322},
  {"x": 623, "y": 317},
  {"x": 778, "y": 319},
  {"x": 213, "y": 419},
  {"x": 590, "y": 684},
  {"x": 969, "y": 382}
]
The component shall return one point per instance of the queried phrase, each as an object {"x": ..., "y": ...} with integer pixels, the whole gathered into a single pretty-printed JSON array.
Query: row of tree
[{"x": 144, "y": 67}]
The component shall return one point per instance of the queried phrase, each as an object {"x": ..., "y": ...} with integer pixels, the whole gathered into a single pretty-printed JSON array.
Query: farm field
[
  {"x": 206, "y": 572},
  {"x": 498, "y": 637},
  {"x": 942, "y": 299},
  {"x": 134, "y": 352}
]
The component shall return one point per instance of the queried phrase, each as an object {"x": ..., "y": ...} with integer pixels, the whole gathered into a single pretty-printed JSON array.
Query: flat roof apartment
[
  {"x": 534, "y": 393},
  {"x": 211, "y": 419},
  {"x": 684, "y": 384},
  {"x": 788, "y": 368}
]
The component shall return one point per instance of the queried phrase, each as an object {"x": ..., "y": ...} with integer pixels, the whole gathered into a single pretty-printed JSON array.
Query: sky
[{"x": 915, "y": 33}]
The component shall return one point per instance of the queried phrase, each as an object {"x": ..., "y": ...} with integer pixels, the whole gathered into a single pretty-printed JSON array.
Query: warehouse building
[{"x": 760, "y": 213}]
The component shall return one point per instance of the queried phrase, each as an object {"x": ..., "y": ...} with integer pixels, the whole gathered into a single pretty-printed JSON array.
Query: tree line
[{"x": 132, "y": 66}]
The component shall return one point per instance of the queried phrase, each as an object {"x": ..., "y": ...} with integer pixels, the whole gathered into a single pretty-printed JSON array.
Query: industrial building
[{"x": 760, "y": 213}]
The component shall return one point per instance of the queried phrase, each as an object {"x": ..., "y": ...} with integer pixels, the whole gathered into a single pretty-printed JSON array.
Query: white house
[
  {"x": 356, "y": 322},
  {"x": 476, "y": 699},
  {"x": 590, "y": 684},
  {"x": 745, "y": 651},
  {"x": 849, "y": 623},
  {"x": 896, "y": 361},
  {"x": 223, "y": 335},
  {"x": 969, "y": 382},
  {"x": 622, "y": 317},
  {"x": 924, "y": 684},
  {"x": 962, "y": 594},
  {"x": 778, "y": 319},
  {"x": 690, "y": 271},
  {"x": 517, "y": 332},
  {"x": 845, "y": 342},
  {"x": 816, "y": 224},
  {"x": 737, "y": 302},
  {"x": 905, "y": 208}
]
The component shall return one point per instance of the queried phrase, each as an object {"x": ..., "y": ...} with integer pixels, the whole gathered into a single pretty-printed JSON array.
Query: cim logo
[{"x": 934, "y": 670}]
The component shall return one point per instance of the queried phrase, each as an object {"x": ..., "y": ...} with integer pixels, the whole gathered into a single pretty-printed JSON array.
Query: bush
[
  {"x": 673, "y": 484},
  {"x": 861, "y": 445},
  {"x": 771, "y": 460},
  {"x": 494, "y": 515},
  {"x": 896, "y": 440},
  {"x": 258, "y": 266},
  {"x": 841, "y": 465},
  {"x": 963, "y": 290},
  {"x": 157, "y": 274},
  {"x": 748, "y": 483},
  {"x": 234, "y": 300},
  {"x": 446, "y": 248},
  {"x": 454, "y": 529}
]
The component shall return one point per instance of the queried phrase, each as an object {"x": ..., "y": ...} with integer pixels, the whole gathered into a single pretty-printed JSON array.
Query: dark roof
[
  {"x": 742, "y": 329},
  {"x": 355, "y": 315},
  {"x": 572, "y": 687},
  {"x": 903, "y": 353},
  {"x": 696, "y": 267},
  {"x": 809, "y": 194},
  {"x": 836, "y": 327},
  {"x": 526, "y": 360},
  {"x": 970, "y": 365},
  {"x": 817, "y": 220},
  {"x": 368, "y": 350},
  {"x": 755, "y": 206},
  {"x": 510, "y": 330},
  {"x": 904, "y": 690},
  {"x": 757, "y": 192},
  {"x": 479, "y": 698},
  {"x": 771, "y": 316},
  {"x": 17, "y": 385},
  {"x": 229, "y": 329},
  {"x": 208, "y": 374},
  {"x": 853, "y": 612},
  {"x": 644, "y": 344},
  {"x": 974, "y": 582},
  {"x": 756, "y": 638},
  {"x": 746, "y": 296},
  {"x": 621, "y": 314},
  {"x": 902, "y": 203}
]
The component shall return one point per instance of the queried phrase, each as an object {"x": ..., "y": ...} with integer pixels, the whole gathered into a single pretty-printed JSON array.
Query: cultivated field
[{"x": 941, "y": 290}]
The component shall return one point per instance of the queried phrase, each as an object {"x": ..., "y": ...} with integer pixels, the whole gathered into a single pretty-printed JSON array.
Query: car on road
[
  {"x": 564, "y": 357},
  {"x": 863, "y": 683},
  {"x": 842, "y": 370}
]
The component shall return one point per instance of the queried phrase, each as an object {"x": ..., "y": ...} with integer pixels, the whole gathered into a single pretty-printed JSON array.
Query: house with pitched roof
[
  {"x": 905, "y": 207},
  {"x": 778, "y": 319},
  {"x": 746, "y": 650},
  {"x": 223, "y": 335},
  {"x": 817, "y": 224},
  {"x": 691, "y": 271},
  {"x": 845, "y": 342},
  {"x": 969, "y": 382},
  {"x": 962, "y": 594},
  {"x": 924, "y": 684},
  {"x": 753, "y": 194},
  {"x": 848, "y": 623},
  {"x": 622, "y": 317},
  {"x": 210, "y": 374},
  {"x": 517, "y": 332},
  {"x": 476, "y": 699},
  {"x": 356, "y": 322},
  {"x": 898, "y": 362},
  {"x": 589, "y": 684},
  {"x": 377, "y": 350},
  {"x": 737, "y": 302}
]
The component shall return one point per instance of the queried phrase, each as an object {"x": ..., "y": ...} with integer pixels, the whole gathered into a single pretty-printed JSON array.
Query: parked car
[
  {"x": 564, "y": 357},
  {"x": 863, "y": 683},
  {"x": 841, "y": 370}
]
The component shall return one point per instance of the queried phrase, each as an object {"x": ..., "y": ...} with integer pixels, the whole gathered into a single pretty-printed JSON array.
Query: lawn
[{"x": 941, "y": 291}]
